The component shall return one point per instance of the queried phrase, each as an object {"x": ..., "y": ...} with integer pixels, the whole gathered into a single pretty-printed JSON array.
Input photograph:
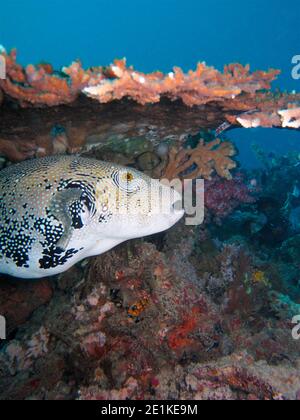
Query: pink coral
[{"x": 222, "y": 196}]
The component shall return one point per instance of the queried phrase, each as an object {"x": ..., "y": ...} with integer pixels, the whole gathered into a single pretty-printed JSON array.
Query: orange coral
[
  {"x": 178, "y": 338},
  {"x": 219, "y": 97},
  {"x": 201, "y": 161},
  {"x": 198, "y": 87},
  {"x": 39, "y": 85}
]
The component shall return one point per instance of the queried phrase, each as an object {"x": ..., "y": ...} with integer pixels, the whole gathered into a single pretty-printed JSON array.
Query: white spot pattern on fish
[{"x": 56, "y": 211}]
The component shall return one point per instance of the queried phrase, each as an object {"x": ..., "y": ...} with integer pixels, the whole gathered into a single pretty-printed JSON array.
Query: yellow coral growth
[{"x": 202, "y": 161}]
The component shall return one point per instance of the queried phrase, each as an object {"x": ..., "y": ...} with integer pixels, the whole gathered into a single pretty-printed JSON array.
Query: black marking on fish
[{"x": 55, "y": 256}]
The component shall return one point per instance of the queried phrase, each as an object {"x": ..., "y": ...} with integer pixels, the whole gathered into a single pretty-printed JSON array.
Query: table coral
[
  {"x": 198, "y": 87},
  {"x": 40, "y": 85},
  {"x": 34, "y": 85},
  {"x": 130, "y": 104}
]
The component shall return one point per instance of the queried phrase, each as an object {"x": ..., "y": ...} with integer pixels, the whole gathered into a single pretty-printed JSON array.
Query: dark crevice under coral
[{"x": 85, "y": 121}]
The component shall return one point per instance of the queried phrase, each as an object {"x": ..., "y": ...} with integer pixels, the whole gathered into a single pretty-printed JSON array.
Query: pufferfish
[{"x": 56, "y": 211}]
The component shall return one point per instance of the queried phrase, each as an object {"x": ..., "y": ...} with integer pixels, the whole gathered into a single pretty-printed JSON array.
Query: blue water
[{"x": 158, "y": 34}]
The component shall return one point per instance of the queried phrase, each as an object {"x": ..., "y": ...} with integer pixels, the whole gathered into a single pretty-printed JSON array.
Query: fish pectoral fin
[
  {"x": 63, "y": 242},
  {"x": 60, "y": 208}
]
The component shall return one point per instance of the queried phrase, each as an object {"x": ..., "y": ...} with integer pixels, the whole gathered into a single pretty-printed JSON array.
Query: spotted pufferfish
[{"x": 58, "y": 210}]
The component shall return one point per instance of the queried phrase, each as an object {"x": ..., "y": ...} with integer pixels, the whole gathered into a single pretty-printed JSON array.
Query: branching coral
[
  {"x": 206, "y": 96},
  {"x": 201, "y": 161}
]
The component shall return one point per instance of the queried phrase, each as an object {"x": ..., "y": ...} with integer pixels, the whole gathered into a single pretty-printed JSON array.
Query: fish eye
[
  {"x": 126, "y": 181},
  {"x": 127, "y": 177}
]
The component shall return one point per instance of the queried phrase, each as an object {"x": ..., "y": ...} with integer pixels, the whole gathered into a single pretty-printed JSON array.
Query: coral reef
[
  {"x": 155, "y": 107},
  {"x": 19, "y": 301},
  {"x": 178, "y": 104},
  {"x": 201, "y": 161},
  {"x": 39, "y": 85},
  {"x": 142, "y": 324},
  {"x": 195, "y": 313},
  {"x": 189, "y": 318}
]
